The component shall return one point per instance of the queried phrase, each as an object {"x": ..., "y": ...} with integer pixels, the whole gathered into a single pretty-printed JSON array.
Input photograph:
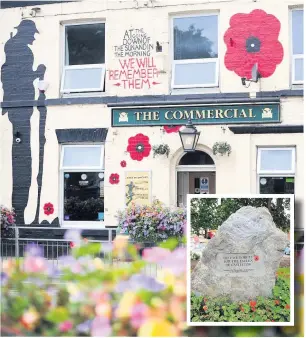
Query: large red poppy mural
[
  {"x": 253, "y": 38},
  {"x": 139, "y": 147}
]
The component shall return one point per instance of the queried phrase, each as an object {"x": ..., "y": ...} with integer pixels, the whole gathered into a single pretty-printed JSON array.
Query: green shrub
[{"x": 261, "y": 309}]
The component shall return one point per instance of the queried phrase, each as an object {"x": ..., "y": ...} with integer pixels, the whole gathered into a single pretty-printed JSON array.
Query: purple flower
[
  {"x": 138, "y": 282},
  {"x": 100, "y": 327},
  {"x": 34, "y": 250},
  {"x": 84, "y": 327},
  {"x": 4, "y": 278}
]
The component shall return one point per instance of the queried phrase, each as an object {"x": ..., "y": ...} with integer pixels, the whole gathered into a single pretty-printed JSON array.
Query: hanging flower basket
[
  {"x": 161, "y": 149},
  {"x": 222, "y": 148}
]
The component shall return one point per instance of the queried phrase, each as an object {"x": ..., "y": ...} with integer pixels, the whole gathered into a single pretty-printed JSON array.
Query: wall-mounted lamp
[
  {"x": 43, "y": 85},
  {"x": 159, "y": 47},
  {"x": 17, "y": 137},
  {"x": 189, "y": 137}
]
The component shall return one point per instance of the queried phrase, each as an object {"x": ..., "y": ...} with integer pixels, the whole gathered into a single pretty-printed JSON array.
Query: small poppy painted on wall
[
  {"x": 139, "y": 147},
  {"x": 256, "y": 258},
  {"x": 123, "y": 164},
  {"x": 114, "y": 179},
  {"x": 48, "y": 209},
  {"x": 253, "y": 38},
  {"x": 172, "y": 129}
]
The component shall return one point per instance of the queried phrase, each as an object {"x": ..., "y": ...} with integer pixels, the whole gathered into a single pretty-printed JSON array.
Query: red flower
[
  {"x": 287, "y": 306},
  {"x": 205, "y": 308},
  {"x": 253, "y": 38},
  {"x": 256, "y": 258},
  {"x": 252, "y": 303},
  {"x": 114, "y": 179},
  {"x": 139, "y": 147},
  {"x": 72, "y": 245},
  {"x": 123, "y": 164},
  {"x": 172, "y": 129},
  {"x": 253, "y": 309},
  {"x": 48, "y": 209},
  {"x": 276, "y": 302}
]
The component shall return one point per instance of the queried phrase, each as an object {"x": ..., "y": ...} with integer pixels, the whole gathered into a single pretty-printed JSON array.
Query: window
[
  {"x": 297, "y": 17},
  {"x": 82, "y": 184},
  {"x": 195, "y": 54},
  {"x": 84, "y": 68},
  {"x": 276, "y": 170}
]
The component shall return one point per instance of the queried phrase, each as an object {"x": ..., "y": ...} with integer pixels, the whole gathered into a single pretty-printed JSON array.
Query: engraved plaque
[{"x": 235, "y": 265}]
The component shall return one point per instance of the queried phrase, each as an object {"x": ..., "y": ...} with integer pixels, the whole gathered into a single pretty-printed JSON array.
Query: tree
[
  {"x": 203, "y": 214},
  {"x": 206, "y": 213}
]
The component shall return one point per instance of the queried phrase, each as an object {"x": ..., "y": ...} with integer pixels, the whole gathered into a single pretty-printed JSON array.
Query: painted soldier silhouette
[{"x": 17, "y": 78}]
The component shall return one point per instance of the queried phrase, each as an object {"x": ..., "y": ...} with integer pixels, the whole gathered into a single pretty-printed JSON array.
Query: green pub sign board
[{"x": 209, "y": 114}]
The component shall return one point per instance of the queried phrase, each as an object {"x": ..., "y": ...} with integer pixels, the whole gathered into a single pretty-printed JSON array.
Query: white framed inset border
[{"x": 188, "y": 263}]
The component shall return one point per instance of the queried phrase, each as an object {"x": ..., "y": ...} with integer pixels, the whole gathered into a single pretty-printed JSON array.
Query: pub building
[{"x": 109, "y": 103}]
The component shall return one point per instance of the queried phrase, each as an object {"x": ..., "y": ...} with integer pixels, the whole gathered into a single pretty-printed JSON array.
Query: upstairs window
[
  {"x": 297, "y": 38},
  {"x": 84, "y": 60},
  {"x": 195, "y": 51}
]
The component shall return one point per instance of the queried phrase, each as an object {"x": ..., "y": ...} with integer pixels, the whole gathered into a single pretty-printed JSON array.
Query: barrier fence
[{"x": 54, "y": 249}]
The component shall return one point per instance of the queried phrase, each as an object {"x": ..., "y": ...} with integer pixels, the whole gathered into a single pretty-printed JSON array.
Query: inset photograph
[{"x": 240, "y": 260}]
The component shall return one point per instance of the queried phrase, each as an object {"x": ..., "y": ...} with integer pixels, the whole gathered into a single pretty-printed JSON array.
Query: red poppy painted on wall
[
  {"x": 139, "y": 147},
  {"x": 253, "y": 38},
  {"x": 173, "y": 129},
  {"x": 114, "y": 179},
  {"x": 123, "y": 164},
  {"x": 48, "y": 209}
]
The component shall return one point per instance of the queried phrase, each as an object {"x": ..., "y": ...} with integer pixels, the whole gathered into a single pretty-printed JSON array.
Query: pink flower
[
  {"x": 100, "y": 327},
  {"x": 155, "y": 255},
  {"x": 65, "y": 326},
  {"x": 139, "y": 313},
  {"x": 196, "y": 239},
  {"x": 175, "y": 261},
  {"x": 35, "y": 264}
]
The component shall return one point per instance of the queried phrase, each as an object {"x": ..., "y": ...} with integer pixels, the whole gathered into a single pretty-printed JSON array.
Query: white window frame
[
  {"x": 101, "y": 168},
  {"x": 294, "y": 57},
  {"x": 189, "y": 61},
  {"x": 275, "y": 173},
  {"x": 67, "y": 67}
]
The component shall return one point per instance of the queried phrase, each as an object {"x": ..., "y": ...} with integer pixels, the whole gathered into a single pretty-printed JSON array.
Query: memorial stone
[{"x": 242, "y": 259}]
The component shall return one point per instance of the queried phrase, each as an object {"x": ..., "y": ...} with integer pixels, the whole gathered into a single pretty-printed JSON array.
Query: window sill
[
  {"x": 207, "y": 90},
  {"x": 85, "y": 94},
  {"x": 297, "y": 86}
]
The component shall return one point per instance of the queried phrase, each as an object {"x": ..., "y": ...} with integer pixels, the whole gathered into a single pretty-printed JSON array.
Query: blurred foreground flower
[{"x": 89, "y": 296}]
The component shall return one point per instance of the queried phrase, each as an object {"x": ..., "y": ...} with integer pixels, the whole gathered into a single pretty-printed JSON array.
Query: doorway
[{"x": 196, "y": 174}]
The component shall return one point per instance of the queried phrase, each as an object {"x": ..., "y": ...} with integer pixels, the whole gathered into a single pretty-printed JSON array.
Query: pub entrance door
[{"x": 196, "y": 174}]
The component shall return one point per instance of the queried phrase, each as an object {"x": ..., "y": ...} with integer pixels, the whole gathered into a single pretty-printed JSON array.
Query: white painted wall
[
  {"x": 234, "y": 174},
  {"x": 122, "y": 15}
]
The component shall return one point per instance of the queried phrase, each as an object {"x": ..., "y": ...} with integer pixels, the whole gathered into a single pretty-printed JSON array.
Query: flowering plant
[
  {"x": 87, "y": 296},
  {"x": 161, "y": 149},
  {"x": 222, "y": 148},
  {"x": 261, "y": 309},
  {"x": 7, "y": 220},
  {"x": 154, "y": 223}
]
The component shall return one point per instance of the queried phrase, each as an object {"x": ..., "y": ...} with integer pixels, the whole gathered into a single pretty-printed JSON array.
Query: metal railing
[{"x": 55, "y": 248}]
